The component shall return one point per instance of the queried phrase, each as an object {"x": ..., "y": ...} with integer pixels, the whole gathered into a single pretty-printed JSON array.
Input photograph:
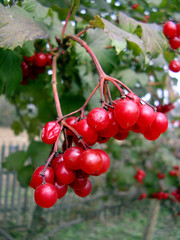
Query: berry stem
[
  {"x": 54, "y": 87},
  {"x": 119, "y": 82},
  {"x": 66, "y": 22},
  {"x": 83, "y": 31}
]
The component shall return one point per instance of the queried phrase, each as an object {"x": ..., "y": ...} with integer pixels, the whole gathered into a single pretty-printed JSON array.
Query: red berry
[
  {"x": 78, "y": 183},
  {"x": 121, "y": 135},
  {"x": 81, "y": 174},
  {"x": 139, "y": 178},
  {"x": 25, "y": 68},
  {"x": 98, "y": 119},
  {"x": 174, "y": 42},
  {"x": 160, "y": 124},
  {"x": 106, "y": 162},
  {"x": 63, "y": 175},
  {"x": 133, "y": 97},
  {"x": 169, "y": 29},
  {"x": 29, "y": 60},
  {"x": 178, "y": 28},
  {"x": 176, "y": 167},
  {"x": 46, "y": 195},
  {"x": 111, "y": 129},
  {"x": 56, "y": 160},
  {"x": 85, "y": 191},
  {"x": 101, "y": 139},
  {"x": 166, "y": 195},
  {"x": 151, "y": 134},
  {"x": 61, "y": 189},
  {"x": 37, "y": 179},
  {"x": 88, "y": 134},
  {"x": 72, "y": 121},
  {"x": 141, "y": 172},
  {"x": 24, "y": 81},
  {"x": 49, "y": 59},
  {"x": 40, "y": 59},
  {"x": 91, "y": 161},
  {"x": 173, "y": 173},
  {"x": 126, "y": 113},
  {"x": 174, "y": 66},
  {"x": 146, "y": 116},
  {"x": 72, "y": 158},
  {"x": 161, "y": 175},
  {"x": 50, "y": 132},
  {"x": 142, "y": 196},
  {"x": 135, "y": 6}
]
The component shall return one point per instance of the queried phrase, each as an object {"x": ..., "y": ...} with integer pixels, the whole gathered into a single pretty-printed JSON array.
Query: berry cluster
[
  {"x": 172, "y": 32},
  {"x": 72, "y": 168},
  {"x": 175, "y": 172},
  {"x": 140, "y": 174},
  {"x": 160, "y": 195},
  {"x": 176, "y": 195},
  {"x": 34, "y": 65},
  {"x": 165, "y": 108}
]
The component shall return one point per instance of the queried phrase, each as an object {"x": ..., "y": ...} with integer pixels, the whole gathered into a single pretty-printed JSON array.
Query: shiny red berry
[
  {"x": 174, "y": 66},
  {"x": 64, "y": 175},
  {"x": 40, "y": 59},
  {"x": 50, "y": 132},
  {"x": 169, "y": 29},
  {"x": 72, "y": 158},
  {"x": 98, "y": 119},
  {"x": 85, "y": 191}
]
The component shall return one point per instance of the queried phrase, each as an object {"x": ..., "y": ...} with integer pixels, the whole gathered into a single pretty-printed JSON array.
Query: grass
[{"x": 129, "y": 226}]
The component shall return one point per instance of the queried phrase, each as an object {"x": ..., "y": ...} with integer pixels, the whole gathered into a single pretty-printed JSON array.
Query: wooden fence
[{"x": 18, "y": 210}]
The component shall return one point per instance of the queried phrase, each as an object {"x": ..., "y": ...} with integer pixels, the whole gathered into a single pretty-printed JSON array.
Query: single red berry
[
  {"x": 146, "y": 116},
  {"x": 135, "y": 6},
  {"x": 46, "y": 195},
  {"x": 98, "y": 119},
  {"x": 25, "y": 68},
  {"x": 49, "y": 59},
  {"x": 176, "y": 167},
  {"x": 37, "y": 179},
  {"x": 72, "y": 158},
  {"x": 126, "y": 113},
  {"x": 50, "y": 132},
  {"x": 141, "y": 172},
  {"x": 160, "y": 123},
  {"x": 178, "y": 28},
  {"x": 139, "y": 178},
  {"x": 85, "y": 191},
  {"x": 78, "y": 183},
  {"x": 173, "y": 173},
  {"x": 61, "y": 189},
  {"x": 106, "y": 162},
  {"x": 91, "y": 161},
  {"x": 101, "y": 139},
  {"x": 161, "y": 175},
  {"x": 137, "y": 129},
  {"x": 169, "y": 29},
  {"x": 121, "y": 135},
  {"x": 56, "y": 160},
  {"x": 64, "y": 175},
  {"x": 166, "y": 195},
  {"x": 174, "y": 66},
  {"x": 174, "y": 42},
  {"x": 29, "y": 60},
  {"x": 72, "y": 121},
  {"x": 89, "y": 135},
  {"x": 142, "y": 196},
  {"x": 40, "y": 59},
  {"x": 151, "y": 134},
  {"x": 111, "y": 129},
  {"x": 133, "y": 97},
  {"x": 81, "y": 174}
]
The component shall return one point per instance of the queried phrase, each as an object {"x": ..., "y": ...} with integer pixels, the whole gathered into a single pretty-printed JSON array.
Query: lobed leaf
[
  {"x": 17, "y": 26},
  {"x": 15, "y": 161}
]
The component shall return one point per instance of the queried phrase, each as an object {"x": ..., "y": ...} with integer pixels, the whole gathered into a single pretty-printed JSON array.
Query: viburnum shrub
[{"x": 114, "y": 118}]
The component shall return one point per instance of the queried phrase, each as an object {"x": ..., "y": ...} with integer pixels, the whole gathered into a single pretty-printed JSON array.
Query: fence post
[{"x": 152, "y": 218}]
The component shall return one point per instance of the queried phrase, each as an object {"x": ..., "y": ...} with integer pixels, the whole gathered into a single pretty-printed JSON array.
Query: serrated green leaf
[
  {"x": 39, "y": 152},
  {"x": 97, "y": 22},
  {"x": 24, "y": 175},
  {"x": 17, "y": 27},
  {"x": 10, "y": 71},
  {"x": 15, "y": 161},
  {"x": 36, "y": 9},
  {"x": 153, "y": 39},
  {"x": 119, "y": 37}
]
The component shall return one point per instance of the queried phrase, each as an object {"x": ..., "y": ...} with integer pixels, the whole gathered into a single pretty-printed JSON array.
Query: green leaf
[
  {"x": 119, "y": 38},
  {"x": 24, "y": 175},
  {"x": 97, "y": 22},
  {"x": 15, "y": 161},
  {"x": 130, "y": 77},
  {"x": 10, "y": 71},
  {"x": 74, "y": 6},
  {"x": 17, "y": 27},
  {"x": 39, "y": 152},
  {"x": 153, "y": 39}
]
